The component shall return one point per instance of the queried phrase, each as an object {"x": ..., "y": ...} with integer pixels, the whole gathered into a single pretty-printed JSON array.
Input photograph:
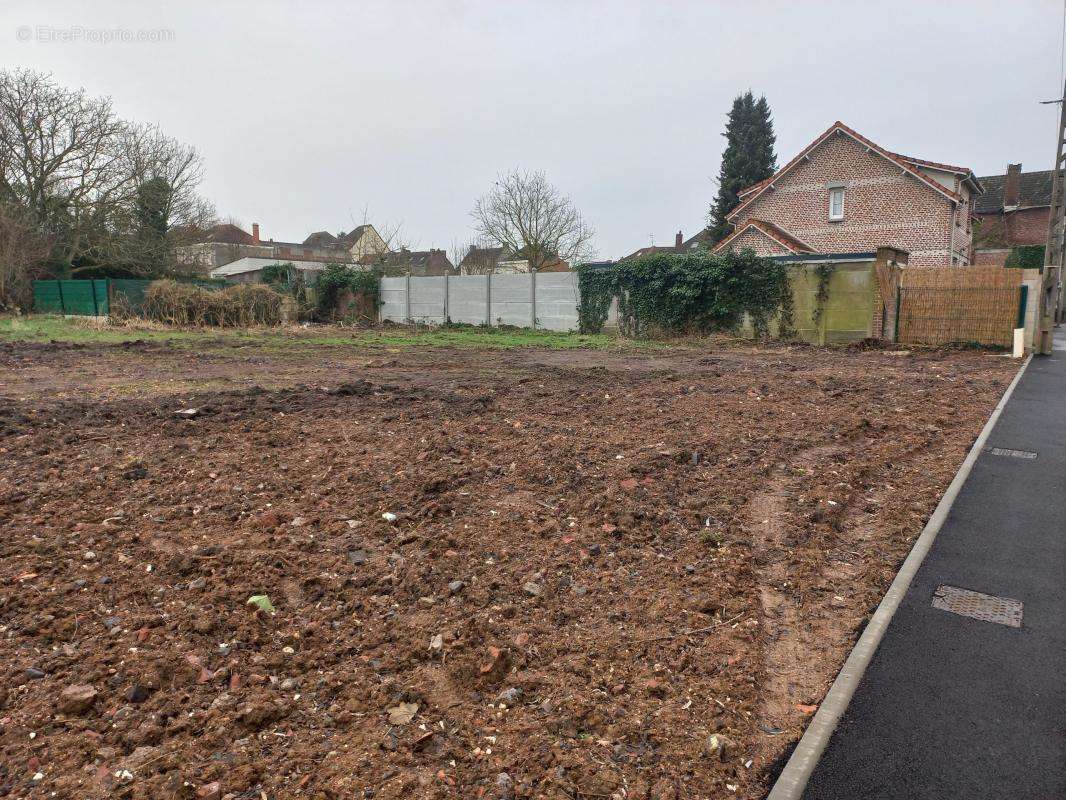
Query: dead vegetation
[{"x": 187, "y": 305}]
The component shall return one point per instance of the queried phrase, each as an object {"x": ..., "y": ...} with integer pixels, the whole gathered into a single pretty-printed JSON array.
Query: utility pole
[{"x": 1051, "y": 284}]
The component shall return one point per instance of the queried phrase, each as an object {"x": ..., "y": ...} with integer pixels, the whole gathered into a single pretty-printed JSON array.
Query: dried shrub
[
  {"x": 121, "y": 309},
  {"x": 237, "y": 306}
]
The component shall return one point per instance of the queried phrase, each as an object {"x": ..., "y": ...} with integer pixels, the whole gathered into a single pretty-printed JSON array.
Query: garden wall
[
  {"x": 547, "y": 300},
  {"x": 510, "y": 300},
  {"x": 847, "y": 311},
  {"x": 834, "y": 301}
]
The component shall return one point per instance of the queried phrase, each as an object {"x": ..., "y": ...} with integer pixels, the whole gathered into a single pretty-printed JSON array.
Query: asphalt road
[{"x": 954, "y": 707}]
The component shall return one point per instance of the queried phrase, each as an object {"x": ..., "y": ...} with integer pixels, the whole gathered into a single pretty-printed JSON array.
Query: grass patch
[
  {"x": 51, "y": 328},
  {"x": 484, "y": 337}
]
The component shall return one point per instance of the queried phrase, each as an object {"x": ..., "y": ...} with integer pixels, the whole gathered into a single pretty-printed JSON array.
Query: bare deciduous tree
[
  {"x": 476, "y": 258},
  {"x": 392, "y": 235},
  {"x": 61, "y": 159},
  {"x": 22, "y": 250},
  {"x": 102, "y": 192},
  {"x": 167, "y": 209},
  {"x": 531, "y": 219},
  {"x": 152, "y": 155}
]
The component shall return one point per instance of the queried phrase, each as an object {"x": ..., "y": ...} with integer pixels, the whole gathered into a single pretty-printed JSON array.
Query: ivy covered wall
[{"x": 670, "y": 294}]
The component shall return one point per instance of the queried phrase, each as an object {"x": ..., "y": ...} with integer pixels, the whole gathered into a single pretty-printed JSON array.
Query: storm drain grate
[
  {"x": 1001, "y": 610},
  {"x": 1006, "y": 451}
]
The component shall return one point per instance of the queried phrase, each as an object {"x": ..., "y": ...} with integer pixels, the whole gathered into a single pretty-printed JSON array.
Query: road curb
[{"x": 792, "y": 781}]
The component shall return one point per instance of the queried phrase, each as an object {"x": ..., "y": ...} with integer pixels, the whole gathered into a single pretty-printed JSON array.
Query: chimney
[
  {"x": 678, "y": 241},
  {"x": 1012, "y": 185},
  {"x": 255, "y": 232}
]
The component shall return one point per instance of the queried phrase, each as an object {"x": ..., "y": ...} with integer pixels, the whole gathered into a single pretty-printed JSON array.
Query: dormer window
[{"x": 836, "y": 202}]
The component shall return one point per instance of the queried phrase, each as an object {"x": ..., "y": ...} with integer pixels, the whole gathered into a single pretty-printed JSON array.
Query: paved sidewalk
[{"x": 955, "y": 707}]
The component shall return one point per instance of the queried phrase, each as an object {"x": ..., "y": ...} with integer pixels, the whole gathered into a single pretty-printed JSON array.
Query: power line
[{"x": 1062, "y": 48}]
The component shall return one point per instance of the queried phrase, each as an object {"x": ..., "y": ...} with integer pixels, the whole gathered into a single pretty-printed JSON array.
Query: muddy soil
[{"x": 502, "y": 574}]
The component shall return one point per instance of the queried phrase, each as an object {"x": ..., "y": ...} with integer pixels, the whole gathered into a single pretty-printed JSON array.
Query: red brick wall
[
  {"x": 1026, "y": 226},
  {"x": 760, "y": 243},
  {"x": 991, "y": 258},
  {"x": 1029, "y": 226},
  {"x": 963, "y": 239},
  {"x": 882, "y": 206}
]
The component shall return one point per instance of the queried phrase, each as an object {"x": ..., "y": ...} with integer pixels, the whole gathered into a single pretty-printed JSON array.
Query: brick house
[
  {"x": 226, "y": 243},
  {"x": 495, "y": 260},
  {"x": 1014, "y": 211},
  {"x": 350, "y": 247},
  {"x": 418, "y": 263},
  {"x": 845, "y": 194},
  {"x": 651, "y": 250},
  {"x": 681, "y": 245},
  {"x": 500, "y": 261}
]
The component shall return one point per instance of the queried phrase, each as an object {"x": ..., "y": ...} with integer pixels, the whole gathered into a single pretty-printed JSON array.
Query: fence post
[
  {"x": 488, "y": 298},
  {"x": 96, "y": 306},
  {"x": 899, "y": 311},
  {"x": 533, "y": 298},
  {"x": 62, "y": 302},
  {"x": 445, "y": 298},
  {"x": 407, "y": 299}
]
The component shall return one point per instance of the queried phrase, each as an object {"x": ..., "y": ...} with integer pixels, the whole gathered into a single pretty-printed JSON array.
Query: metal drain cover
[
  {"x": 986, "y": 607},
  {"x": 1006, "y": 451}
]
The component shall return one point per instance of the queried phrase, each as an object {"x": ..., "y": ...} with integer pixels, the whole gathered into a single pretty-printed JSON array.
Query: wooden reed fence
[{"x": 970, "y": 305}]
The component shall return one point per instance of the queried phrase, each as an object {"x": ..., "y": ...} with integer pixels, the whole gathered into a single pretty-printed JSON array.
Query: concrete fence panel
[
  {"x": 469, "y": 298},
  {"x": 557, "y": 300},
  {"x": 428, "y": 300},
  {"x": 394, "y": 299},
  {"x": 512, "y": 300},
  {"x": 548, "y": 300}
]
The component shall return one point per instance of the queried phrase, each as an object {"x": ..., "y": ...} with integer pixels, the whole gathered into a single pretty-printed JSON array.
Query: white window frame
[{"x": 836, "y": 217}]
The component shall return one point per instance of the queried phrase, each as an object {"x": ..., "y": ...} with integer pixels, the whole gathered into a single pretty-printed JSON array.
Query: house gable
[
  {"x": 839, "y": 129},
  {"x": 887, "y": 202},
  {"x": 365, "y": 241},
  {"x": 751, "y": 238},
  {"x": 762, "y": 237}
]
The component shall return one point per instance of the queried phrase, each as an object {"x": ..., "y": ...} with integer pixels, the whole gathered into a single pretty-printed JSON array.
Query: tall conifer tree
[{"x": 749, "y": 157}]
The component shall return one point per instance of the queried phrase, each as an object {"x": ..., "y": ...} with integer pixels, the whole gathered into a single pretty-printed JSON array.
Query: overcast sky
[{"x": 308, "y": 113}]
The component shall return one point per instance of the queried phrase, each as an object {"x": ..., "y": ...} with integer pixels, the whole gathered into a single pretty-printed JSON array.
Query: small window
[{"x": 836, "y": 203}]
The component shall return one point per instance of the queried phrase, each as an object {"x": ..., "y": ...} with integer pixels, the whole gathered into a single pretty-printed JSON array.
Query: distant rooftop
[
  {"x": 1034, "y": 189},
  {"x": 251, "y": 264}
]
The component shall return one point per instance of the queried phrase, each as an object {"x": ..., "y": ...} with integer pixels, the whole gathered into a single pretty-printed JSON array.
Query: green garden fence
[
  {"x": 89, "y": 298},
  {"x": 92, "y": 298}
]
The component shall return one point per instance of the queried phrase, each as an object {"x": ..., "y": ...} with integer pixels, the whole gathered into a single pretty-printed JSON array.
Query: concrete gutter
[{"x": 792, "y": 782}]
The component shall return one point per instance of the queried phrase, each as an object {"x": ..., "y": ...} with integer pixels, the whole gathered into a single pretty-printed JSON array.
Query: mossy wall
[{"x": 847, "y": 308}]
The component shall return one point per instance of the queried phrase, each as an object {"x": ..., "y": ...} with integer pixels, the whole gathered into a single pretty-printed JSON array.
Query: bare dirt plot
[{"x": 610, "y": 574}]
